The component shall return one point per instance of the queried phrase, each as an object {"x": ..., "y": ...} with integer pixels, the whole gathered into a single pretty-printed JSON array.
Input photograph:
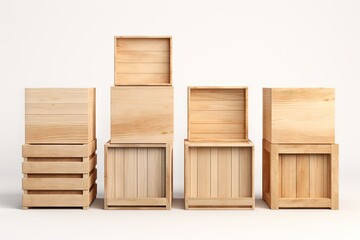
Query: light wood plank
[
  {"x": 305, "y": 203},
  {"x": 204, "y": 170},
  {"x": 130, "y": 173},
  {"x": 217, "y": 105},
  {"x": 214, "y": 172},
  {"x": 206, "y": 128},
  {"x": 142, "y": 172},
  {"x": 303, "y": 176},
  {"x": 58, "y": 95},
  {"x": 220, "y": 117},
  {"x": 217, "y": 94},
  {"x": 220, "y": 202},
  {"x": 136, "y": 202},
  {"x": 194, "y": 172},
  {"x": 288, "y": 176},
  {"x": 235, "y": 175},
  {"x": 118, "y": 169},
  {"x": 142, "y": 79},
  {"x": 245, "y": 172},
  {"x": 155, "y": 174},
  {"x": 142, "y": 57},
  {"x": 143, "y": 44},
  {"x": 135, "y": 68},
  {"x": 224, "y": 178},
  {"x": 316, "y": 176}
]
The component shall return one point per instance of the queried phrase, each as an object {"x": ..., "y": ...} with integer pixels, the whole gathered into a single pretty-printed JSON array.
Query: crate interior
[
  {"x": 217, "y": 114},
  {"x": 142, "y": 61},
  {"x": 220, "y": 172},
  {"x": 136, "y": 172},
  {"x": 301, "y": 175}
]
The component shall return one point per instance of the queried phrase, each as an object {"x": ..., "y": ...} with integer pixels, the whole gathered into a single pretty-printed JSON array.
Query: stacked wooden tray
[
  {"x": 60, "y": 152},
  {"x": 138, "y": 157},
  {"x": 300, "y": 157},
  {"x": 219, "y": 158}
]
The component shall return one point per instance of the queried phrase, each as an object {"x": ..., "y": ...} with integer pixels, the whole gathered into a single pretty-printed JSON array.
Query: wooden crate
[
  {"x": 138, "y": 176},
  {"x": 143, "y": 61},
  {"x": 59, "y": 175},
  {"x": 219, "y": 175},
  {"x": 142, "y": 114},
  {"x": 217, "y": 114},
  {"x": 300, "y": 175},
  {"x": 59, "y": 115},
  {"x": 299, "y": 115}
]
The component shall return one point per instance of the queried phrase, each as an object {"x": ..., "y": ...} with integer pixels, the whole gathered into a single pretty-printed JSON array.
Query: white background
[{"x": 254, "y": 43}]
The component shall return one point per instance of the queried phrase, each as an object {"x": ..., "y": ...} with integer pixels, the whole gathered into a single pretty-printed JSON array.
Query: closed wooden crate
[
  {"x": 299, "y": 115},
  {"x": 59, "y": 115},
  {"x": 142, "y": 114},
  {"x": 300, "y": 175},
  {"x": 217, "y": 114},
  {"x": 219, "y": 175},
  {"x": 59, "y": 175},
  {"x": 143, "y": 61},
  {"x": 138, "y": 176}
]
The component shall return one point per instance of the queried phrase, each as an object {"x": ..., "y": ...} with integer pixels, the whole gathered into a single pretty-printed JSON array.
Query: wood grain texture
[
  {"x": 58, "y": 115},
  {"x": 143, "y": 61},
  {"x": 218, "y": 173},
  {"x": 217, "y": 114},
  {"x": 299, "y": 115},
  {"x": 135, "y": 173},
  {"x": 142, "y": 114}
]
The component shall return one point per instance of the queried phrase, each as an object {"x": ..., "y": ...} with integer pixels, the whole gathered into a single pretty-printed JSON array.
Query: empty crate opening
[
  {"x": 136, "y": 172},
  {"x": 220, "y": 172},
  {"x": 217, "y": 114},
  {"x": 142, "y": 61},
  {"x": 305, "y": 176}
]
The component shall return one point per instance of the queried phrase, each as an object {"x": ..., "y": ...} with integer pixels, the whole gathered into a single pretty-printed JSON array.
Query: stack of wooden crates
[
  {"x": 138, "y": 157},
  {"x": 59, "y": 165},
  {"x": 219, "y": 158},
  {"x": 300, "y": 158}
]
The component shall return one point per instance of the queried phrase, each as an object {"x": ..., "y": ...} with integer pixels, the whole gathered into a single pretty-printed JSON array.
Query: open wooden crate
[
  {"x": 142, "y": 114},
  {"x": 143, "y": 61},
  {"x": 217, "y": 114},
  {"x": 219, "y": 175},
  {"x": 138, "y": 176},
  {"x": 300, "y": 175},
  {"x": 59, "y": 115},
  {"x": 59, "y": 175}
]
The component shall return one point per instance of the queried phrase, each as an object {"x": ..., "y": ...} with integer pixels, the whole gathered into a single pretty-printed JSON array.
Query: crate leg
[
  {"x": 274, "y": 177},
  {"x": 335, "y": 177},
  {"x": 85, "y": 208}
]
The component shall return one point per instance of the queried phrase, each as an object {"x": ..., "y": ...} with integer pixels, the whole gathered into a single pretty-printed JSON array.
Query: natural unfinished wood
[
  {"x": 293, "y": 178},
  {"x": 138, "y": 176},
  {"x": 143, "y": 61},
  {"x": 299, "y": 115},
  {"x": 217, "y": 114},
  {"x": 60, "y": 115},
  {"x": 142, "y": 115},
  {"x": 219, "y": 175}
]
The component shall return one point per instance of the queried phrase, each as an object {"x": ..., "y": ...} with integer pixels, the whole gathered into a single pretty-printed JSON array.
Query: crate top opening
[
  {"x": 217, "y": 114},
  {"x": 143, "y": 61}
]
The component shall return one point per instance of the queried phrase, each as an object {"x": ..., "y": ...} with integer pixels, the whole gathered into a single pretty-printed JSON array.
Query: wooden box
[
  {"x": 219, "y": 175},
  {"x": 59, "y": 115},
  {"x": 59, "y": 175},
  {"x": 300, "y": 175},
  {"x": 217, "y": 114},
  {"x": 143, "y": 61},
  {"x": 299, "y": 115},
  {"x": 138, "y": 176},
  {"x": 142, "y": 114}
]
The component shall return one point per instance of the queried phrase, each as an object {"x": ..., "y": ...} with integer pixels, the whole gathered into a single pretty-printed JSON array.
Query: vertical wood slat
[
  {"x": 316, "y": 176},
  {"x": 118, "y": 160},
  {"x": 235, "y": 175},
  {"x": 204, "y": 170},
  {"x": 193, "y": 176},
  {"x": 303, "y": 176},
  {"x": 130, "y": 172},
  {"x": 214, "y": 173},
  {"x": 142, "y": 175},
  {"x": 288, "y": 176},
  {"x": 155, "y": 156},
  {"x": 224, "y": 178},
  {"x": 245, "y": 172}
]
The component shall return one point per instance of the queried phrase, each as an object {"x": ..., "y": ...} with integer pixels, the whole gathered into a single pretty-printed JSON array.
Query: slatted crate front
[
  {"x": 59, "y": 175},
  {"x": 300, "y": 176},
  {"x": 219, "y": 175},
  {"x": 138, "y": 176},
  {"x": 142, "y": 114},
  {"x": 143, "y": 61},
  {"x": 217, "y": 114},
  {"x": 299, "y": 115},
  {"x": 59, "y": 115}
]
